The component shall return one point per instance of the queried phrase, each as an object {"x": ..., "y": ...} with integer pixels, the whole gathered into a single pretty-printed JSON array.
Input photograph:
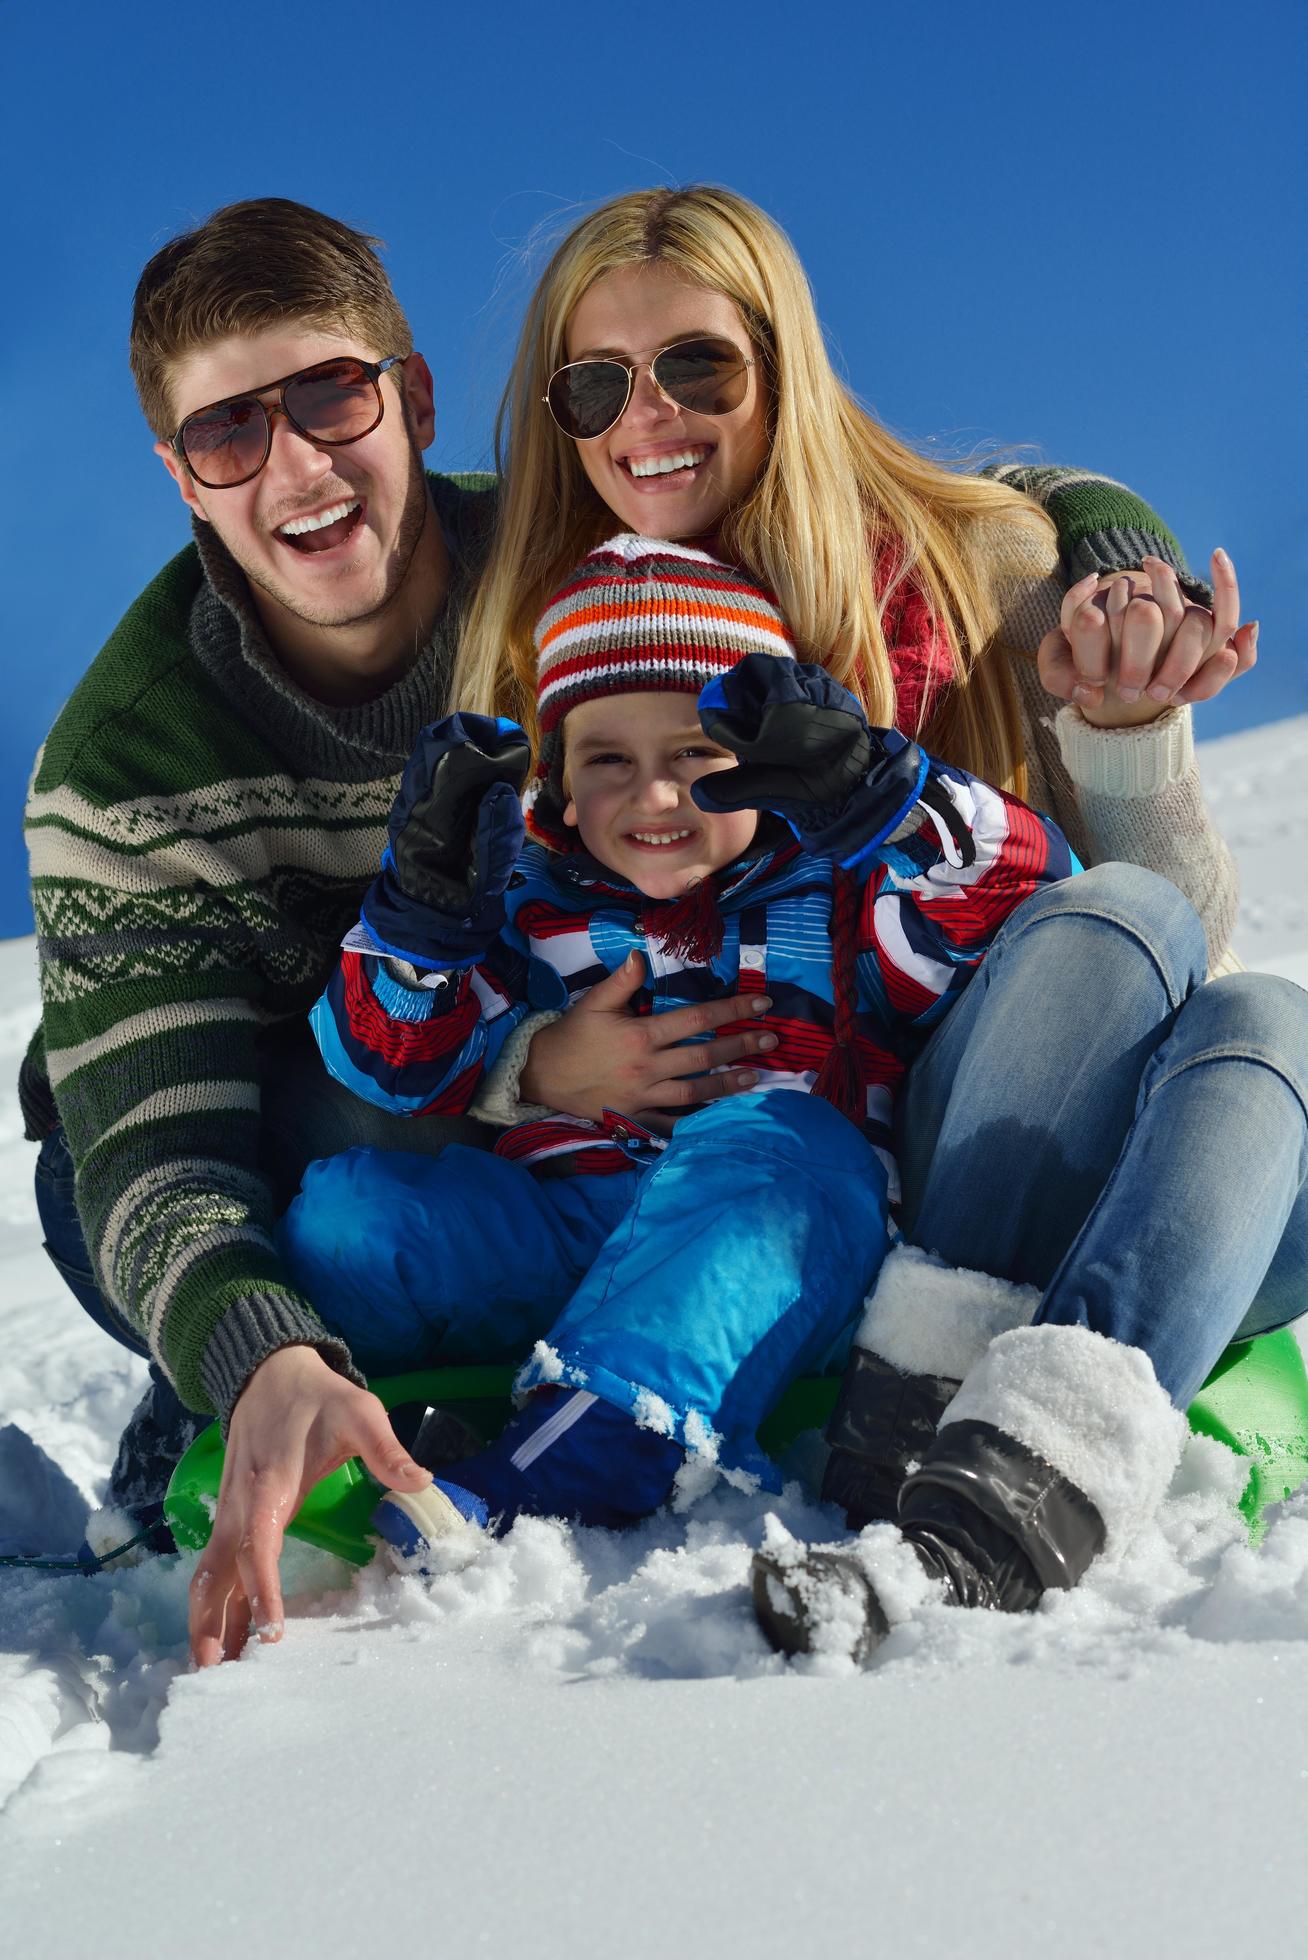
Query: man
[{"x": 205, "y": 816}]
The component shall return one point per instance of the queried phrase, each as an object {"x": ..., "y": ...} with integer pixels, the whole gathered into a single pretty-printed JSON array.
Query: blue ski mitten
[
  {"x": 455, "y": 834},
  {"x": 806, "y": 752}
]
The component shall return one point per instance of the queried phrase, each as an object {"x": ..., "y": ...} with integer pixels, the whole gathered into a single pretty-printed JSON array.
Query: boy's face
[
  {"x": 631, "y": 759},
  {"x": 344, "y": 573}
]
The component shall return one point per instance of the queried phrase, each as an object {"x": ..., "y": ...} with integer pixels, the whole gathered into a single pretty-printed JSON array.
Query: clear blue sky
[{"x": 1079, "y": 229}]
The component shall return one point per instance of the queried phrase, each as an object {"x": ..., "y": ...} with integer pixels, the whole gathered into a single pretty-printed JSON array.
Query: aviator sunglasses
[
  {"x": 705, "y": 375},
  {"x": 335, "y": 402}
]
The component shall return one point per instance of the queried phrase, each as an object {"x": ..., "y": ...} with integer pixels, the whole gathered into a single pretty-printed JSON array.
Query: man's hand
[
  {"x": 1130, "y": 644},
  {"x": 602, "y": 1056},
  {"x": 296, "y": 1420}
]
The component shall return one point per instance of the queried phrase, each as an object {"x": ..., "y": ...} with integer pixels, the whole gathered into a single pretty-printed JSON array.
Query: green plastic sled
[{"x": 1255, "y": 1401}]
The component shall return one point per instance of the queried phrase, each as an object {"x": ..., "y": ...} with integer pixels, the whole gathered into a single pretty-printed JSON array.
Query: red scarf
[{"x": 916, "y": 643}]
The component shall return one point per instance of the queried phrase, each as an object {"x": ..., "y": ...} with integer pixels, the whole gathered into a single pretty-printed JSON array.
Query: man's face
[{"x": 350, "y": 571}]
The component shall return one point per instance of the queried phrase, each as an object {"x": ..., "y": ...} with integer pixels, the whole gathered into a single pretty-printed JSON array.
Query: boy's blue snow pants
[{"x": 688, "y": 1294}]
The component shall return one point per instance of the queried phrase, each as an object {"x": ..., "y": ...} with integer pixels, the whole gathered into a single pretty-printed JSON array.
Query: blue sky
[{"x": 1075, "y": 230}]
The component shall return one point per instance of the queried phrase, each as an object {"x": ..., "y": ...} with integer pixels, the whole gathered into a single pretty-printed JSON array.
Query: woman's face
[{"x": 665, "y": 471}]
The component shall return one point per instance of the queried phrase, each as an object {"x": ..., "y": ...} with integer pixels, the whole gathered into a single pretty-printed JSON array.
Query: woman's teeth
[
  {"x": 298, "y": 526},
  {"x": 685, "y": 459},
  {"x": 661, "y": 836}
]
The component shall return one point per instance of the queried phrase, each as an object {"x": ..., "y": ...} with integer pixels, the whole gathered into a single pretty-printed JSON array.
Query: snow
[{"x": 578, "y": 1743}]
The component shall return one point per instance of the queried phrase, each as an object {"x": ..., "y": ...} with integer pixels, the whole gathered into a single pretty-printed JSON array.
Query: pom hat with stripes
[{"x": 640, "y": 616}]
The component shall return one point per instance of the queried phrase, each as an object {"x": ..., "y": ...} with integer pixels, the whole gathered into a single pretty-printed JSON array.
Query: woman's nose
[{"x": 646, "y": 403}]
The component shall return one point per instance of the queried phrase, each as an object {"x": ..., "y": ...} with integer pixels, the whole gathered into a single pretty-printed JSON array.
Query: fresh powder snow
[{"x": 576, "y": 1743}]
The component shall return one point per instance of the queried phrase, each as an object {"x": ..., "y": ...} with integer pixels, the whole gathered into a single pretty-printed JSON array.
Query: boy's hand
[
  {"x": 455, "y": 834},
  {"x": 807, "y": 753}
]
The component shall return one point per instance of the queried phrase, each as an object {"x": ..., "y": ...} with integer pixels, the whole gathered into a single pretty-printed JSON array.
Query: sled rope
[{"x": 86, "y": 1566}]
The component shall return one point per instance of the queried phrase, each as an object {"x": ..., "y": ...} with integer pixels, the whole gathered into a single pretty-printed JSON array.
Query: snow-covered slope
[{"x": 578, "y": 1745}]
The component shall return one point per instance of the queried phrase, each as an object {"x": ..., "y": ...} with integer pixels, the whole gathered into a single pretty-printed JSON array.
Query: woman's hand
[
  {"x": 1130, "y": 644},
  {"x": 296, "y": 1420},
  {"x": 602, "y": 1056}
]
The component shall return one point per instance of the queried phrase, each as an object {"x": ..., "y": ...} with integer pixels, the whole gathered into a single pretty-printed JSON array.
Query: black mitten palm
[
  {"x": 455, "y": 834},
  {"x": 806, "y": 751}
]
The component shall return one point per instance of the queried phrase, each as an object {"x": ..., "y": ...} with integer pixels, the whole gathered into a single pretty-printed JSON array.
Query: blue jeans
[
  {"x": 1093, "y": 1121},
  {"x": 689, "y": 1294}
]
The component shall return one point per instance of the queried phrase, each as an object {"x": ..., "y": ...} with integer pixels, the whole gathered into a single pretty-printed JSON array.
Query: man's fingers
[
  {"x": 1142, "y": 635},
  {"x": 386, "y": 1457},
  {"x": 269, "y": 1511},
  {"x": 236, "y": 1625},
  {"x": 1076, "y": 595},
  {"x": 1217, "y": 670},
  {"x": 1056, "y": 667},
  {"x": 212, "y": 1582}
]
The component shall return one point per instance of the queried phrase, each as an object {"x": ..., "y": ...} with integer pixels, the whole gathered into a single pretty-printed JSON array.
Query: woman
[{"x": 1084, "y": 1271}]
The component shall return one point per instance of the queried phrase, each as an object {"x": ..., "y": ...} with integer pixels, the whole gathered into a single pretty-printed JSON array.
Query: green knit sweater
[{"x": 201, "y": 833}]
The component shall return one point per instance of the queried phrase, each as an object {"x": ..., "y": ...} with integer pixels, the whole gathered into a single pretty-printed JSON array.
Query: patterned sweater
[
  {"x": 420, "y": 1045},
  {"x": 201, "y": 833}
]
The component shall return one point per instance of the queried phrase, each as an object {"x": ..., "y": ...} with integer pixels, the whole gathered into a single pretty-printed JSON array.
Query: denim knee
[
  {"x": 1146, "y": 909},
  {"x": 1248, "y": 1017}
]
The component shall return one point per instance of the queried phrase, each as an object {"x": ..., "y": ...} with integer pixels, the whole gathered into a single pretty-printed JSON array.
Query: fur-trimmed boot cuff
[
  {"x": 1090, "y": 1407},
  {"x": 924, "y": 1326}
]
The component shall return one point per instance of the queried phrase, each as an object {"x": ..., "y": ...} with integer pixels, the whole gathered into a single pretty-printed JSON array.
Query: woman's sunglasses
[
  {"x": 709, "y": 377},
  {"x": 335, "y": 402}
]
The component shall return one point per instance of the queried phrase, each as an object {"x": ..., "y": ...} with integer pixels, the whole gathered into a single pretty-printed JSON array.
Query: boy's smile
[{"x": 630, "y": 762}]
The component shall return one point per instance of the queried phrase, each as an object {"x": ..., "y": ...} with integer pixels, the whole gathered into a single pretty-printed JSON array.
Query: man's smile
[{"x": 317, "y": 531}]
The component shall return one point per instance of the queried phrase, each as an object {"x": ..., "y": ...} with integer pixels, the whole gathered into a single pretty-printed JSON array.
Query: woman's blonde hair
[{"x": 837, "y": 496}]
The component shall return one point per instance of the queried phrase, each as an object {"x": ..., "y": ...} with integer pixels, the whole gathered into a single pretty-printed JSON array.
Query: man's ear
[
  {"x": 420, "y": 400},
  {"x": 182, "y": 477}
]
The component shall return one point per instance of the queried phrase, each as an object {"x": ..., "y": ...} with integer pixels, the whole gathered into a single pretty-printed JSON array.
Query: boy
[{"x": 775, "y": 846}]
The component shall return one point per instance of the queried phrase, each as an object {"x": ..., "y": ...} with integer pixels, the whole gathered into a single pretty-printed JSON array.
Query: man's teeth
[
  {"x": 297, "y": 526},
  {"x": 685, "y": 459},
  {"x": 661, "y": 836}
]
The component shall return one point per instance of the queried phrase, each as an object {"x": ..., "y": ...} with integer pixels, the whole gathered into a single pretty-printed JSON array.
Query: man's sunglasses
[
  {"x": 335, "y": 402},
  {"x": 707, "y": 376}
]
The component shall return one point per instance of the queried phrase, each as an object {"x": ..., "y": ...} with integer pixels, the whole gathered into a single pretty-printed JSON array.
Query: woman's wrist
[
  {"x": 506, "y": 1090},
  {"x": 1126, "y": 762}
]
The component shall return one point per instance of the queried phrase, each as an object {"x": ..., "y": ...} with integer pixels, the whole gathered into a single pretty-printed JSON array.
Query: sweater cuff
[
  {"x": 497, "y": 1099},
  {"x": 1126, "y": 762},
  {"x": 251, "y": 1329}
]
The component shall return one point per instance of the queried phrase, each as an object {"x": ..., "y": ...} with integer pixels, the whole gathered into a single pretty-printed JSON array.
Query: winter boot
[
  {"x": 1060, "y": 1444},
  {"x": 411, "y": 1523},
  {"x": 159, "y": 1433},
  {"x": 566, "y": 1454},
  {"x": 924, "y": 1326}
]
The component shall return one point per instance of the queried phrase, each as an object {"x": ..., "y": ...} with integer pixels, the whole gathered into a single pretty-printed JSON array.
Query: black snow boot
[
  {"x": 882, "y": 1426},
  {"x": 991, "y": 1523},
  {"x": 924, "y": 1326},
  {"x": 989, "y": 1517}
]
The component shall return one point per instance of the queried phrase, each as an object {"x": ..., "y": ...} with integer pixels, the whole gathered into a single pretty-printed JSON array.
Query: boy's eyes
[{"x": 608, "y": 758}]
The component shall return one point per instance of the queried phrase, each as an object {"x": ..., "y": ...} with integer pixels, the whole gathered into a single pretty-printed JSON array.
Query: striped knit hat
[{"x": 639, "y": 616}]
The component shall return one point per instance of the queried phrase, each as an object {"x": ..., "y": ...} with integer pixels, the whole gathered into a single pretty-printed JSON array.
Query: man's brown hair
[{"x": 252, "y": 266}]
